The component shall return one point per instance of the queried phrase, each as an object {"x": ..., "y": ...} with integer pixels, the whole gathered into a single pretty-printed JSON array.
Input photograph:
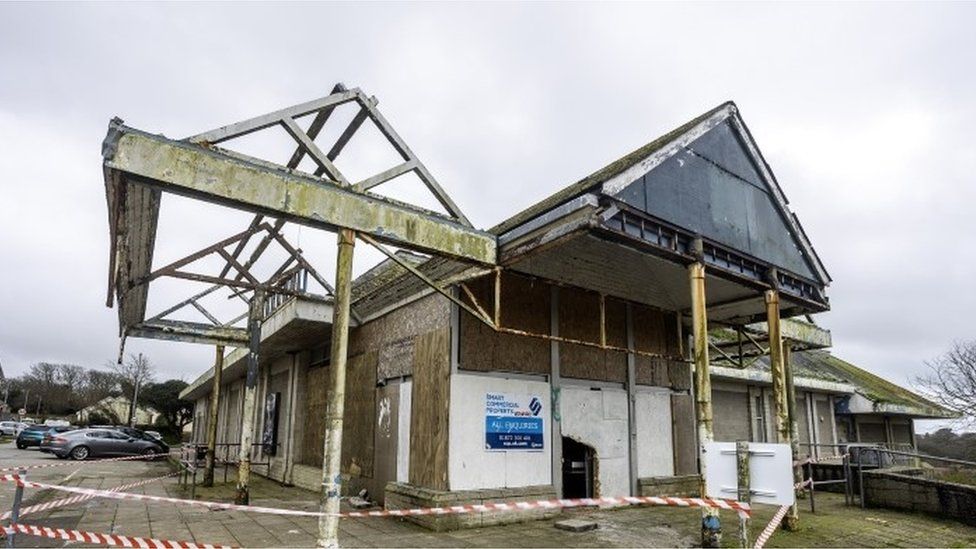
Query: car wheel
[
  {"x": 80, "y": 453},
  {"x": 150, "y": 453},
  {"x": 21, "y": 446}
]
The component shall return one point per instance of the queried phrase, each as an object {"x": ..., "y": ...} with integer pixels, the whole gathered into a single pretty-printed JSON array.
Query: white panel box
[{"x": 770, "y": 472}]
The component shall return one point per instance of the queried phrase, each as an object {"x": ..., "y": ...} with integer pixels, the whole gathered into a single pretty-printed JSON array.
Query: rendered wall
[{"x": 472, "y": 466}]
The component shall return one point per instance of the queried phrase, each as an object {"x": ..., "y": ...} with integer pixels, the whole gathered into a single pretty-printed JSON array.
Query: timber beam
[
  {"x": 193, "y": 332},
  {"x": 213, "y": 176}
]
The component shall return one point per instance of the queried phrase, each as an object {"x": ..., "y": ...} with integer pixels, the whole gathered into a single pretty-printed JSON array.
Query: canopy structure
[
  {"x": 702, "y": 192},
  {"x": 139, "y": 167}
]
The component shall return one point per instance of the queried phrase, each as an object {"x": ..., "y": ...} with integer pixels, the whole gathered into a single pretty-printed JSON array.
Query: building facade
[{"x": 566, "y": 370}]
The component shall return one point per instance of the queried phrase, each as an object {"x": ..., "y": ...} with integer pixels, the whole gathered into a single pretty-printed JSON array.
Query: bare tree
[
  {"x": 952, "y": 380},
  {"x": 133, "y": 373}
]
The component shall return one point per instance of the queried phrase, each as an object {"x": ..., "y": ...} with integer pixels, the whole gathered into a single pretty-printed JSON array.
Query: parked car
[
  {"x": 11, "y": 428},
  {"x": 49, "y": 432},
  {"x": 135, "y": 433},
  {"x": 32, "y": 435},
  {"x": 97, "y": 443}
]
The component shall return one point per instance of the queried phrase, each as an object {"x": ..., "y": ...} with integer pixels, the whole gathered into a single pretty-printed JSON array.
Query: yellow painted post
[
  {"x": 208, "y": 471},
  {"x": 793, "y": 518},
  {"x": 778, "y": 370},
  {"x": 332, "y": 460},
  {"x": 711, "y": 527}
]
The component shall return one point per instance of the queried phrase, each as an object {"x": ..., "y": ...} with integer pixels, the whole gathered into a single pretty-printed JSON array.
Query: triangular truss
[
  {"x": 290, "y": 279},
  {"x": 325, "y": 161}
]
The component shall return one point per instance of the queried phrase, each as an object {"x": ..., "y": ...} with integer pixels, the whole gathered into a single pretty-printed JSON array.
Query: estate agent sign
[{"x": 513, "y": 422}]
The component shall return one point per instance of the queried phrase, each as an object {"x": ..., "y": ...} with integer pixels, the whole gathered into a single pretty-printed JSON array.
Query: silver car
[{"x": 96, "y": 443}]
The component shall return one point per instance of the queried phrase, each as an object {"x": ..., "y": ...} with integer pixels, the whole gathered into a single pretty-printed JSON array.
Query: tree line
[{"x": 51, "y": 389}]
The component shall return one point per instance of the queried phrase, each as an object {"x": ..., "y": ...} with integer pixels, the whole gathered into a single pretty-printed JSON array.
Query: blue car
[{"x": 32, "y": 435}]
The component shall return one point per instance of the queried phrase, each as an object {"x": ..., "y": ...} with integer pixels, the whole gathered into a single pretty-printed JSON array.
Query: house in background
[{"x": 115, "y": 409}]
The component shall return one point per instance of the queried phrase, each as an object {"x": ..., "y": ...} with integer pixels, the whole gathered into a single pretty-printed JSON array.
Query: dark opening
[{"x": 577, "y": 469}]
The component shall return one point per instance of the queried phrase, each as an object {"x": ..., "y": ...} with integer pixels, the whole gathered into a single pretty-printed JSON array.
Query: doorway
[{"x": 578, "y": 469}]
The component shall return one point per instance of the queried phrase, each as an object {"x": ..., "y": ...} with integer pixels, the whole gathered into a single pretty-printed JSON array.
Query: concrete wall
[
  {"x": 471, "y": 465},
  {"x": 597, "y": 417},
  {"x": 900, "y": 489}
]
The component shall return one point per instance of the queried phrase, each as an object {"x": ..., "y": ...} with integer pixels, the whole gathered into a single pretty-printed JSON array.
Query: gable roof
[{"x": 614, "y": 178}]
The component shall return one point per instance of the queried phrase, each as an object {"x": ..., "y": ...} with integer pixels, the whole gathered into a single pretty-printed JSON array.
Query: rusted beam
[
  {"x": 209, "y": 175},
  {"x": 425, "y": 279}
]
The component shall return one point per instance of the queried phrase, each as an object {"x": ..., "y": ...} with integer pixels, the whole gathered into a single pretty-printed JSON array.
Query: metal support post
[
  {"x": 15, "y": 510},
  {"x": 331, "y": 464},
  {"x": 744, "y": 495},
  {"x": 711, "y": 527},
  {"x": 208, "y": 471},
  {"x": 780, "y": 392},
  {"x": 813, "y": 486},
  {"x": 254, "y": 319},
  {"x": 555, "y": 388},
  {"x": 631, "y": 405},
  {"x": 793, "y": 517}
]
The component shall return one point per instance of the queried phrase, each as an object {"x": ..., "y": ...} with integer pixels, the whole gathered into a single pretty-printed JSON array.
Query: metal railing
[
  {"x": 298, "y": 281},
  {"x": 196, "y": 454}
]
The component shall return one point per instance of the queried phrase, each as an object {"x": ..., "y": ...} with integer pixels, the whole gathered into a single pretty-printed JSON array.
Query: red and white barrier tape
[
  {"x": 802, "y": 485},
  {"x": 92, "y": 462},
  {"x": 740, "y": 507},
  {"x": 808, "y": 459},
  {"x": 771, "y": 527},
  {"x": 78, "y": 499},
  {"x": 105, "y": 539}
]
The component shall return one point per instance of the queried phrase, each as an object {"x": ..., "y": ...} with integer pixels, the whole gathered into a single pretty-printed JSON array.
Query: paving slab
[{"x": 576, "y": 525}]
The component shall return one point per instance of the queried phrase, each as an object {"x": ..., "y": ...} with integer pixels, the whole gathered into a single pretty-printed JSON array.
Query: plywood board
[
  {"x": 430, "y": 410},
  {"x": 683, "y": 430}
]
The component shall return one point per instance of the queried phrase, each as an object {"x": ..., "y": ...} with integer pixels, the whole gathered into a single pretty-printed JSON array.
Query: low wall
[
  {"x": 900, "y": 488},
  {"x": 678, "y": 486},
  {"x": 408, "y": 496}
]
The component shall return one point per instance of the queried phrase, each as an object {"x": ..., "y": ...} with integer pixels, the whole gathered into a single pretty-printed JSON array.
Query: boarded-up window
[
  {"x": 525, "y": 306},
  {"x": 579, "y": 319},
  {"x": 730, "y": 412}
]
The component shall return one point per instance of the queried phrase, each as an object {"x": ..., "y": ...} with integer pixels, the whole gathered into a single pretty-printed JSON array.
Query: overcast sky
[{"x": 864, "y": 111}]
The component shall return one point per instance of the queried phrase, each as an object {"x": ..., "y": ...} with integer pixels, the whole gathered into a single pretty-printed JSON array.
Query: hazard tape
[
  {"x": 106, "y": 539},
  {"x": 78, "y": 499},
  {"x": 802, "y": 485},
  {"x": 91, "y": 462},
  {"x": 771, "y": 527},
  {"x": 740, "y": 507}
]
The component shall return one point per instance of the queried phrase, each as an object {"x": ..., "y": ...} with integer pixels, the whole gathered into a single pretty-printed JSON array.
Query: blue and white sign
[{"x": 513, "y": 422}]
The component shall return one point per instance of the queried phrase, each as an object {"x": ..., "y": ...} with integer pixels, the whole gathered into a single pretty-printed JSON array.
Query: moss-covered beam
[{"x": 213, "y": 176}]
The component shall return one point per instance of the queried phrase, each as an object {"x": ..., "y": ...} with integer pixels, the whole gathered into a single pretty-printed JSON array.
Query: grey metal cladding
[{"x": 712, "y": 188}]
